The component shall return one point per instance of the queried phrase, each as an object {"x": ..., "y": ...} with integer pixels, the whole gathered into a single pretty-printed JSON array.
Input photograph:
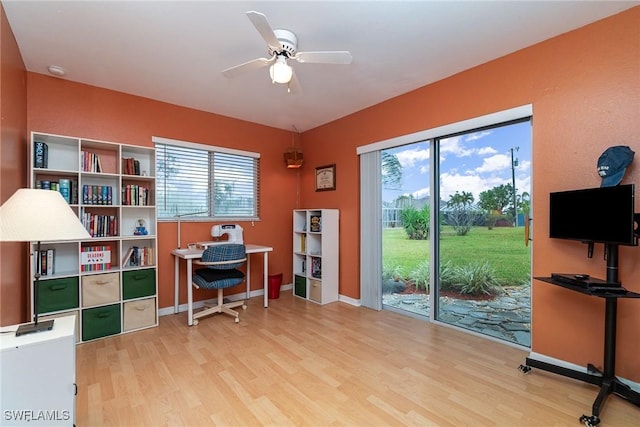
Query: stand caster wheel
[
  {"x": 195, "y": 322},
  {"x": 244, "y": 306},
  {"x": 237, "y": 320},
  {"x": 524, "y": 369},
  {"x": 591, "y": 421}
]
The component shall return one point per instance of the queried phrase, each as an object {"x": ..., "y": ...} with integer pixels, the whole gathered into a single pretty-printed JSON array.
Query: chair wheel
[
  {"x": 524, "y": 369},
  {"x": 195, "y": 322},
  {"x": 237, "y": 320},
  {"x": 590, "y": 421},
  {"x": 244, "y": 306}
]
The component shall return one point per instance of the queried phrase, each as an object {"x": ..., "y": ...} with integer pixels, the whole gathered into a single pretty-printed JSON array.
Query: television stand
[{"x": 607, "y": 380}]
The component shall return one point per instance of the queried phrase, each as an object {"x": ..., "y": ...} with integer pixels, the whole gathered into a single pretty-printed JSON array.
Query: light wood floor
[{"x": 301, "y": 364}]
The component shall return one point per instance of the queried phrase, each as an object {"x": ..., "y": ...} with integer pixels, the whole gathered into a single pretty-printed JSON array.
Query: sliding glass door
[
  {"x": 406, "y": 174},
  {"x": 456, "y": 252},
  {"x": 484, "y": 262}
]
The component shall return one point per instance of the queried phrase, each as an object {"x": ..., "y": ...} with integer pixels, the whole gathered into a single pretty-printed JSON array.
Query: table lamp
[{"x": 33, "y": 215}]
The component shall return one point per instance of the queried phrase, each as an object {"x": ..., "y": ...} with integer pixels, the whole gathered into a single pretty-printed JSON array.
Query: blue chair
[{"x": 221, "y": 271}]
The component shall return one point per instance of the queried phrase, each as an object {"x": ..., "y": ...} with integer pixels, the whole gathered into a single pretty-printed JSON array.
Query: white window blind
[{"x": 204, "y": 181}]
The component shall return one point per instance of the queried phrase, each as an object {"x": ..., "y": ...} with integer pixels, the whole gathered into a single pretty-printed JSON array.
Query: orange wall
[
  {"x": 13, "y": 172},
  {"x": 585, "y": 90},
  {"x": 66, "y": 108}
]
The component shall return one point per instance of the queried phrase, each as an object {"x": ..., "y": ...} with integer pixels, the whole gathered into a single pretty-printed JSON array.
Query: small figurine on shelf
[
  {"x": 140, "y": 228},
  {"x": 316, "y": 224}
]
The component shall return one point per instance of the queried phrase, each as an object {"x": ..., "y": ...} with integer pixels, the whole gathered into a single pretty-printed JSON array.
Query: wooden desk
[{"x": 190, "y": 254}]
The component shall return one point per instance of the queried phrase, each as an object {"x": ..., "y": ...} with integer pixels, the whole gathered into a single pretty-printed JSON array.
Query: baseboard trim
[{"x": 235, "y": 297}]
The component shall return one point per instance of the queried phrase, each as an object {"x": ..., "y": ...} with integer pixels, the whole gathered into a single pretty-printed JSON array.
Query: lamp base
[{"x": 34, "y": 327}]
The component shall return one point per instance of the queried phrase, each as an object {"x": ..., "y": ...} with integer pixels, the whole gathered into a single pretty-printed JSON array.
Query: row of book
[
  {"x": 95, "y": 258},
  {"x": 45, "y": 262},
  {"x": 130, "y": 166},
  {"x": 138, "y": 257},
  {"x": 97, "y": 194},
  {"x": 100, "y": 225},
  {"x": 66, "y": 187},
  {"x": 135, "y": 195},
  {"x": 90, "y": 162}
]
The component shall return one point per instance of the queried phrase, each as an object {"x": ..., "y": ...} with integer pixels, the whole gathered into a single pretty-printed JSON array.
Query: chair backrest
[{"x": 225, "y": 255}]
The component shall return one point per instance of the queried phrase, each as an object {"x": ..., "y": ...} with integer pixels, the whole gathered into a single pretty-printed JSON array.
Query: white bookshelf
[
  {"x": 123, "y": 296},
  {"x": 316, "y": 254}
]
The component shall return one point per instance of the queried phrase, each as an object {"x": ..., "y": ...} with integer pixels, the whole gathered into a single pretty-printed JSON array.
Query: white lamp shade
[
  {"x": 39, "y": 215},
  {"x": 280, "y": 71}
]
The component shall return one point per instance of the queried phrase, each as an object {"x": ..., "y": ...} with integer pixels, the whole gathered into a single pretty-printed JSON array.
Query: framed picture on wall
[{"x": 326, "y": 178}]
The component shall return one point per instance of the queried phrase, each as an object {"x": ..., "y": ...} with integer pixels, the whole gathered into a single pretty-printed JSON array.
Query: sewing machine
[{"x": 233, "y": 231}]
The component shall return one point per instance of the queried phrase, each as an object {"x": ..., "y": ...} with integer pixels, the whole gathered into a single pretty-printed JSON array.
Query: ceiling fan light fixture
[{"x": 280, "y": 71}]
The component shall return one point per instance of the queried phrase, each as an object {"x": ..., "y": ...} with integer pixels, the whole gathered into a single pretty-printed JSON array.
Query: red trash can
[{"x": 275, "y": 281}]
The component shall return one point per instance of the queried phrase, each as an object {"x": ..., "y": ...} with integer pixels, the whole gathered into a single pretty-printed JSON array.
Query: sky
[{"x": 473, "y": 162}]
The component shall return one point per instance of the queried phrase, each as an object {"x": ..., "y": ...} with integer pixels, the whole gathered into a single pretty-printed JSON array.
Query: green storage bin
[
  {"x": 300, "y": 286},
  {"x": 100, "y": 322},
  {"x": 139, "y": 283},
  {"x": 58, "y": 294}
]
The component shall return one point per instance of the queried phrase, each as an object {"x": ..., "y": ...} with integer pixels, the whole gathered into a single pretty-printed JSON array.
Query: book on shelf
[
  {"x": 95, "y": 258},
  {"x": 127, "y": 257},
  {"x": 64, "y": 186},
  {"x": 138, "y": 257},
  {"x": 74, "y": 192},
  {"x": 130, "y": 166},
  {"x": 316, "y": 267},
  {"x": 97, "y": 194},
  {"x": 91, "y": 162},
  {"x": 40, "y": 155},
  {"x": 50, "y": 262},
  {"x": 44, "y": 262},
  {"x": 100, "y": 225},
  {"x": 135, "y": 195}
]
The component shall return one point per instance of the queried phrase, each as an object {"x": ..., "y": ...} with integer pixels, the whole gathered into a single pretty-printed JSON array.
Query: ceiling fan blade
[
  {"x": 254, "y": 64},
  {"x": 325, "y": 57},
  {"x": 293, "y": 86},
  {"x": 259, "y": 21}
]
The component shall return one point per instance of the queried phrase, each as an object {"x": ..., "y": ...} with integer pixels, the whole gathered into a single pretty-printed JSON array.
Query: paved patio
[{"x": 506, "y": 317}]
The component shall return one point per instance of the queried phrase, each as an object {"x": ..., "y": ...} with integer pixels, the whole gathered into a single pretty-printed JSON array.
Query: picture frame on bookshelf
[{"x": 326, "y": 178}]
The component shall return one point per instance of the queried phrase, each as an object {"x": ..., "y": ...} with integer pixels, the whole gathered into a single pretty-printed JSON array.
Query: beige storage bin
[
  {"x": 315, "y": 290},
  {"x": 100, "y": 289},
  {"x": 65, "y": 314},
  {"x": 139, "y": 314}
]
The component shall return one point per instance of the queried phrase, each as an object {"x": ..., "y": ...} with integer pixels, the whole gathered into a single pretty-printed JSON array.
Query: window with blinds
[{"x": 197, "y": 180}]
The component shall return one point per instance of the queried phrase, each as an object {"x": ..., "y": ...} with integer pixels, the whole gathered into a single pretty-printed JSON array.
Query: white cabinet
[
  {"x": 316, "y": 254},
  {"x": 111, "y": 187},
  {"x": 39, "y": 376}
]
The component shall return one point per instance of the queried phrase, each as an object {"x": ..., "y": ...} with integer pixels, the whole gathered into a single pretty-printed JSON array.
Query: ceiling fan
[{"x": 282, "y": 47}]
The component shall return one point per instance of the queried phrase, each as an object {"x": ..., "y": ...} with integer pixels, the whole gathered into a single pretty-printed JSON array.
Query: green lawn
[{"x": 502, "y": 247}]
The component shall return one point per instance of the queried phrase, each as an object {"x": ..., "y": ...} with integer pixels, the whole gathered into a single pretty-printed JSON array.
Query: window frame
[{"x": 195, "y": 217}]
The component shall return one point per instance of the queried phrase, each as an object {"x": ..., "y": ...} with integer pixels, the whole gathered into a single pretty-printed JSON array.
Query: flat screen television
[{"x": 600, "y": 215}]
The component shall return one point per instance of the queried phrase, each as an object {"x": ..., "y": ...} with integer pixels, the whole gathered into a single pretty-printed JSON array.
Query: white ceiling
[{"x": 174, "y": 51}]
